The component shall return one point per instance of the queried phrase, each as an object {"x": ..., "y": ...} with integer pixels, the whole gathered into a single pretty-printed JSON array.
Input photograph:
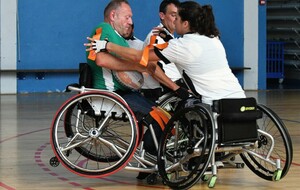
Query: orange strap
[
  {"x": 161, "y": 116},
  {"x": 92, "y": 54},
  {"x": 145, "y": 56}
]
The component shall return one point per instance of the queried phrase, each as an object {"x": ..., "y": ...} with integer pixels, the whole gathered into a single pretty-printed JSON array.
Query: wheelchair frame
[{"x": 91, "y": 142}]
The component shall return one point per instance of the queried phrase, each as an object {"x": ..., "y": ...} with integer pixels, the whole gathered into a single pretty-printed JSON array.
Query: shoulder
[{"x": 106, "y": 28}]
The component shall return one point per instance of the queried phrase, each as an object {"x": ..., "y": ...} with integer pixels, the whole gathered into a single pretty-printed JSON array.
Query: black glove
[{"x": 182, "y": 93}]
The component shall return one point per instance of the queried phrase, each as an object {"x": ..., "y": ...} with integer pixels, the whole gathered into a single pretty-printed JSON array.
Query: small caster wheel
[
  {"x": 232, "y": 158},
  {"x": 152, "y": 179},
  {"x": 277, "y": 175},
  {"x": 239, "y": 165},
  {"x": 54, "y": 162},
  {"x": 164, "y": 183},
  {"x": 205, "y": 178},
  {"x": 212, "y": 181}
]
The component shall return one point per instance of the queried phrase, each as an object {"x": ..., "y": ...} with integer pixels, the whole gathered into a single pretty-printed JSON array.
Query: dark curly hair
[{"x": 201, "y": 18}]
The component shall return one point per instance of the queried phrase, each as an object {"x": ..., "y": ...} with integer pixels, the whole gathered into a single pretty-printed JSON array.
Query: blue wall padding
[{"x": 52, "y": 33}]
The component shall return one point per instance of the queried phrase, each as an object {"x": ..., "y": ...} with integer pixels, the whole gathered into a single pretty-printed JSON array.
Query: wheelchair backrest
[
  {"x": 237, "y": 120},
  {"x": 188, "y": 82},
  {"x": 85, "y": 75}
]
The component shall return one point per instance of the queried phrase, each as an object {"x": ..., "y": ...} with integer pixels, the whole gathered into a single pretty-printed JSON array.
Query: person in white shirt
[
  {"x": 167, "y": 14},
  {"x": 151, "y": 88},
  {"x": 132, "y": 40}
]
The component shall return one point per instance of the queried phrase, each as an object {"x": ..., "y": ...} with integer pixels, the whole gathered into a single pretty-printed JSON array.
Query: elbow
[{"x": 100, "y": 59}]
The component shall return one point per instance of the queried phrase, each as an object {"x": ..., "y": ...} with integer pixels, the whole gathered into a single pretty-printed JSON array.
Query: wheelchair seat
[{"x": 237, "y": 120}]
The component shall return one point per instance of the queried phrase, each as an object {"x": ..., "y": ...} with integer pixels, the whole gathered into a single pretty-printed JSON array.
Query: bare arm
[
  {"x": 127, "y": 53},
  {"x": 130, "y": 60},
  {"x": 161, "y": 77},
  {"x": 130, "y": 53},
  {"x": 104, "y": 59}
]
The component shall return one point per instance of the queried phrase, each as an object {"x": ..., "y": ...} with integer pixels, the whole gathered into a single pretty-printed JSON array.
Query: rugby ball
[{"x": 130, "y": 79}]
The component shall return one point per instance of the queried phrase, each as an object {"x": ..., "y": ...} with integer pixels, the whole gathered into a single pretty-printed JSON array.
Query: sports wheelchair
[{"x": 95, "y": 134}]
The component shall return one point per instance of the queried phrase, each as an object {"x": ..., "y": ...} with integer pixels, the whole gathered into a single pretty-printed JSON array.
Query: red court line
[
  {"x": 22, "y": 134},
  {"x": 6, "y": 186},
  {"x": 13, "y": 137}
]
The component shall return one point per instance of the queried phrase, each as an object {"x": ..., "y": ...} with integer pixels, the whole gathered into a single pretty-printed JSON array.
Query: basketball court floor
[{"x": 25, "y": 120}]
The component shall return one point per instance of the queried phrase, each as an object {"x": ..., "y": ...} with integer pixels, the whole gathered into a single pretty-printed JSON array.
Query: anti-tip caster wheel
[
  {"x": 152, "y": 179},
  {"x": 239, "y": 165},
  {"x": 232, "y": 158},
  {"x": 212, "y": 181},
  {"x": 205, "y": 178},
  {"x": 277, "y": 175},
  {"x": 54, "y": 161}
]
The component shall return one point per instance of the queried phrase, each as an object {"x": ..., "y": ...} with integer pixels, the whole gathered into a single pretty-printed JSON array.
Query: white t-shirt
[
  {"x": 204, "y": 61},
  {"x": 170, "y": 69},
  {"x": 149, "y": 81},
  {"x": 135, "y": 43}
]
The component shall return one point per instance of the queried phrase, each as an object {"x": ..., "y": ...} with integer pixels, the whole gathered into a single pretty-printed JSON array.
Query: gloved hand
[
  {"x": 99, "y": 45},
  {"x": 182, "y": 93},
  {"x": 165, "y": 35}
]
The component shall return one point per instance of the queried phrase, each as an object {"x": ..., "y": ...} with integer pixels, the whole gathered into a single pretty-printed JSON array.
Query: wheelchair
[
  {"x": 259, "y": 137},
  {"x": 95, "y": 134}
]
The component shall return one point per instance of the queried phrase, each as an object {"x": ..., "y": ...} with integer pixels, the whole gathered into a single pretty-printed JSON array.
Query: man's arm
[
  {"x": 109, "y": 61},
  {"x": 124, "y": 52},
  {"x": 104, "y": 59}
]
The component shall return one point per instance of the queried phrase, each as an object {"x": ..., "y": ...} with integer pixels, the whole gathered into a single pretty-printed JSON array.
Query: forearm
[
  {"x": 161, "y": 77},
  {"x": 109, "y": 61},
  {"x": 125, "y": 52}
]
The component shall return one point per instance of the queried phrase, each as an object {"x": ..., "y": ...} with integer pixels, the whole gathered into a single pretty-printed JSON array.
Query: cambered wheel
[
  {"x": 94, "y": 134},
  {"x": 283, "y": 150},
  {"x": 186, "y": 147}
]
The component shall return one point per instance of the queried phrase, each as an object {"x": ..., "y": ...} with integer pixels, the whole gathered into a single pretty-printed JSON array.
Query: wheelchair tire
[
  {"x": 186, "y": 147},
  {"x": 168, "y": 102},
  {"x": 283, "y": 150},
  {"x": 94, "y": 134}
]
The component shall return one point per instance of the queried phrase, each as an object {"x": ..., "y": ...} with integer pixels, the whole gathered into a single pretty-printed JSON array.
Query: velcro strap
[
  {"x": 145, "y": 56},
  {"x": 92, "y": 54},
  {"x": 161, "y": 116}
]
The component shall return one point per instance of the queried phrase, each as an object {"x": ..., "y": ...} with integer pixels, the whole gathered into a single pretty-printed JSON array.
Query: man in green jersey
[{"x": 117, "y": 23}]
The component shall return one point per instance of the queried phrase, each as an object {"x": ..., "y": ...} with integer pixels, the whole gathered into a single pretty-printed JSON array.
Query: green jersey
[{"x": 103, "y": 78}]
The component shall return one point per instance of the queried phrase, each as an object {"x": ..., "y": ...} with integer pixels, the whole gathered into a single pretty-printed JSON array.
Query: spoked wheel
[
  {"x": 94, "y": 134},
  {"x": 272, "y": 130},
  {"x": 185, "y": 148},
  {"x": 70, "y": 132},
  {"x": 168, "y": 102}
]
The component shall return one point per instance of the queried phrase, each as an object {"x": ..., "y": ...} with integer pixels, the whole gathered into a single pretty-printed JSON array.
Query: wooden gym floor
[{"x": 25, "y": 150}]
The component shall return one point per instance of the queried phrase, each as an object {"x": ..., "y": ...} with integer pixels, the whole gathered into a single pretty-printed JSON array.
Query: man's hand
[{"x": 96, "y": 45}]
